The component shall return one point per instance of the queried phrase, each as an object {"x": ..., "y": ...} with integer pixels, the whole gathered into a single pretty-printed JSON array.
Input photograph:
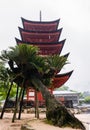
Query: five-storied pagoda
[{"x": 46, "y": 36}]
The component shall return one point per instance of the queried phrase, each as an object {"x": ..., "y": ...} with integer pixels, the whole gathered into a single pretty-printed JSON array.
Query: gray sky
[{"x": 75, "y": 20}]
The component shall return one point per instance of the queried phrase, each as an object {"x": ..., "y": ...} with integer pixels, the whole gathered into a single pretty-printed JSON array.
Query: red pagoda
[{"x": 46, "y": 36}]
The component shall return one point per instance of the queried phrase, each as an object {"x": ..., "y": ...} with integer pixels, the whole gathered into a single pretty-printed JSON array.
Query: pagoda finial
[{"x": 40, "y": 16}]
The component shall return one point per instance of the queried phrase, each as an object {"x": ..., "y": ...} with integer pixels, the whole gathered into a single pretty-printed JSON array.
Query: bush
[{"x": 87, "y": 99}]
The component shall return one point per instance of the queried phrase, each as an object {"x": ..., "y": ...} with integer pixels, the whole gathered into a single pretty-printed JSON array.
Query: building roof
[
  {"x": 60, "y": 79},
  {"x": 40, "y": 25},
  {"x": 46, "y": 48},
  {"x": 65, "y": 93}
]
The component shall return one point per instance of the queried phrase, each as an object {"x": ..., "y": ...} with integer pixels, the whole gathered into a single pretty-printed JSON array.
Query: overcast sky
[{"x": 74, "y": 18}]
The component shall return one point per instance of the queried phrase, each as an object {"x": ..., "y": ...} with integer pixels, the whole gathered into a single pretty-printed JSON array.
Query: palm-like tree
[{"x": 30, "y": 69}]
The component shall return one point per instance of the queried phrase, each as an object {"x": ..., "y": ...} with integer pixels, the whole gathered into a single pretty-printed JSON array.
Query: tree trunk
[
  {"x": 36, "y": 106},
  {"x": 21, "y": 102},
  {"x": 57, "y": 113},
  {"x": 8, "y": 94},
  {"x": 16, "y": 105}
]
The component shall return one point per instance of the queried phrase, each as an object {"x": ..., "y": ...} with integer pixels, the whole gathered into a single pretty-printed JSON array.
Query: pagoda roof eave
[
  {"x": 64, "y": 74},
  {"x": 35, "y": 43},
  {"x": 21, "y": 29},
  {"x": 44, "y": 22},
  {"x": 40, "y": 24},
  {"x": 60, "y": 79},
  {"x": 66, "y": 55}
]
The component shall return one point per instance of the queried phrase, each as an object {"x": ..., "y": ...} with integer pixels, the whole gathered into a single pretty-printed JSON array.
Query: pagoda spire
[{"x": 40, "y": 16}]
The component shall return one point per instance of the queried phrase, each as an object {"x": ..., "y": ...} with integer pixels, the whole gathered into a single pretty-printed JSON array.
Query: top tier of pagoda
[
  {"x": 46, "y": 36},
  {"x": 40, "y": 26}
]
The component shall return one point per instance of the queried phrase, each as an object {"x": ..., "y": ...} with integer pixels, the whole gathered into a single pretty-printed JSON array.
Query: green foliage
[
  {"x": 3, "y": 72},
  {"x": 4, "y": 82},
  {"x": 19, "y": 53},
  {"x": 57, "y": 61},
  {"x": 87, "y": 99},
  {"x": 4, "y": 89},
  {"x": 81, "y": 95},
  {"x": 48, "y": 122},
  {"x": 26, "y": 63},
  {"x": 13, "y": 91}
]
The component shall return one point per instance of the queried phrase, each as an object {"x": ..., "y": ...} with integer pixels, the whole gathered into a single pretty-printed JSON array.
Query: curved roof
[
  {"x": 22, "y": 42},
  {"x": 40, "y": 37},
  {"x": 46, "y": 48},
  {"x": 60, "y": 79},
  {"x": 40, "y": 25}
]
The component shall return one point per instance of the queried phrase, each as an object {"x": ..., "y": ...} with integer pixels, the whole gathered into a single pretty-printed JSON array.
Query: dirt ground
[{"x": 32, "y": 122}]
